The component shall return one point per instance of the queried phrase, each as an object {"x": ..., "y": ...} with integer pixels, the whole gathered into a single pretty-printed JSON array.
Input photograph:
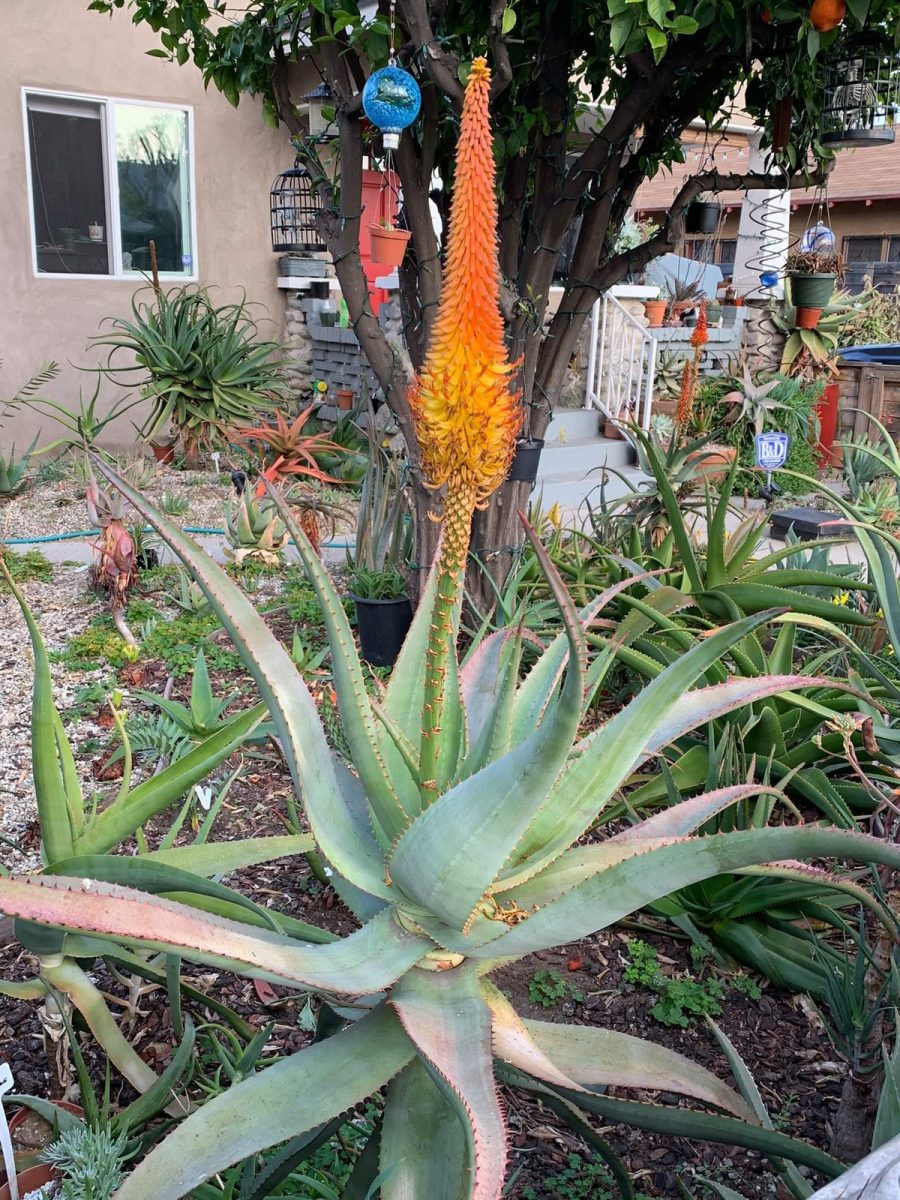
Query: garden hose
[{"x": 90, "y": 533}]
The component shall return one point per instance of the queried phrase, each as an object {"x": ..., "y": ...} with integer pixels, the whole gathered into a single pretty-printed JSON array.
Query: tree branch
[
  {"x": 502, "y": 68},
  {"x": 441, "y": 67}
]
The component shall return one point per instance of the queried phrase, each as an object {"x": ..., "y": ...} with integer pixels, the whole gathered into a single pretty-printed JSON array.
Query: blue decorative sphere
[
  {"x": 819, "y": 239},
  {"x": 391, "y": 100},
  {"x": 769, "y": 278}
]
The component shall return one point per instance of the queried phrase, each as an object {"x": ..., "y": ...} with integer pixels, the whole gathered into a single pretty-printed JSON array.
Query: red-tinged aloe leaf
[
  {"x": 298, "y": 1093},
  {"x": 653, "y": 871},
  {"x": 452, "y": 854},
  {"x": 423, "y": 1144},
  {"x": 446, "y": 1018},
  {"x": 689, "y": 815},
  {"x": 357, "y": 857},
  {"x": 496, "y": 734},
  {"x": 585, "y": 1057},
  {"x": 597, "y": 1058},
  {"x": 365, "y": 962},
  {"x": 393, "y": 794},
  {"x": 606, "y": 758}
]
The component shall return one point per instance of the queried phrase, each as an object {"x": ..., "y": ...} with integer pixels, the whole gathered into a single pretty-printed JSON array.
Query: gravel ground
[{"x": 63, "y": 606}]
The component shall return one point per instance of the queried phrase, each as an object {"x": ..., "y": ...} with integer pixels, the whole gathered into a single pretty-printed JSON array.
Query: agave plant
[
  {"x": 453, "y": 838},
  {"x": 254, "y": 532}
]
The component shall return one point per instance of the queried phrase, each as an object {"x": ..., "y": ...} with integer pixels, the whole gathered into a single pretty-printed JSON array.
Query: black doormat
[{"x": 809, "y": 523}]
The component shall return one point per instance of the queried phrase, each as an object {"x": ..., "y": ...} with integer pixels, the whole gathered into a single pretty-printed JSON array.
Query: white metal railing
[{"x": 621, "y": 364}]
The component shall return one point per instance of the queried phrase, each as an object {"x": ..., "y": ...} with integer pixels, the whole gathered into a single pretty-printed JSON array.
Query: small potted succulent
[
  {"x": 655, "y": 309},
  {"x": 383, "y": 546},
  {"x": 812, "y": 275},
  {"x": 702, "y": 216},
  {"x": 388, "y": 244}
]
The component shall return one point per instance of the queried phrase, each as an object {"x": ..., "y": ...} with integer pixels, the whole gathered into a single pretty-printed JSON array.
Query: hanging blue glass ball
[
  {"x": 769, "y": 278},
  {"x": 391, "y": 100}
]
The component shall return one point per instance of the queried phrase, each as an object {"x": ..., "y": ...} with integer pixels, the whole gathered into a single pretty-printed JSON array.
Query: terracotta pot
[
  {"x": 712, "y": 462},
  {"x": 344, "y": 397},
  {"x": 807, "y": 318},
  {"x": 738, "y": 302},
  {"x": 29, "y": 1180},
  {"x": 613, "y": 432},
  {"x": 654, "y": 311},
  {"x": 163, "y": 454},
  {"x": 827, "y": 414},
  {"x": 388, "y": 245}
]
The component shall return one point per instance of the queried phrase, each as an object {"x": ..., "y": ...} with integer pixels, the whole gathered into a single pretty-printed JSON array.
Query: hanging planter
[
  {"x": 813, "y": 289},
  {"x": 702, "y": 217},
  {"x": 526, "y": 460},
  {"x": 807, "y": 318},
  {"x": 388, "y": 245}
]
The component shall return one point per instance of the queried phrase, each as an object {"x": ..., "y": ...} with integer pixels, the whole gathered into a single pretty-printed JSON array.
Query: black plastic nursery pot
[
  {"x": 382, "y": 626},
  {"x": 702, "y": 217},
  {"x": 811, "y": 291},
  {"x": 147, "y": 560},
  {"x": 526, "y": 460}
]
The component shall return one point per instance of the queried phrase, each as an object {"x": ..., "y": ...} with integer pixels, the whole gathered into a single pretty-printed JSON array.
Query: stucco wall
[{"x": 63, "y": 46}]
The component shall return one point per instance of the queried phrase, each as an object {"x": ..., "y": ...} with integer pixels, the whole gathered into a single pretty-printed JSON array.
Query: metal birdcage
[
  {"x": 862, "y": 78},
  {"x": 293, "y": 208}
]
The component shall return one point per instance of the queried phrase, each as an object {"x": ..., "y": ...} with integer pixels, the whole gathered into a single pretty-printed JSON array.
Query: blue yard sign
[{"x": 771, "y": 450}]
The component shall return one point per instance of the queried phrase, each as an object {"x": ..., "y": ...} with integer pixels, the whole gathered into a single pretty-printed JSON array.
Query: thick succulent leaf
[
  {"x": 118, "y": 822},
  {"x": 221, "y": 858},
  {"x": 683, "y": 1122},
  {"x": 50, "y": 758},
  {"x": 296, "y": 1094},
  {"x": 362, "y": 904},
  {"x": 366, "y": 961},
  {"x": 756, "y": 597},
  {"x": 445, "y": 1016},
  {"x": 496, "y": 734},
  {"x": 423, "y": 1143},
  {"x": 406, "y": 687},
  {"x": 686, "y": 817},
  {"x": 615, "y": 891},
  {"x": 480, "y": 681},
  {"x": 394, "y": 794},
  {"x": 606, "y": 758},
  {"x": 149, "y": 875},
  {"x": 454, "y": 851},
  {"x": 288, "y": 698},
  {"x": 594, "y": 1058}
]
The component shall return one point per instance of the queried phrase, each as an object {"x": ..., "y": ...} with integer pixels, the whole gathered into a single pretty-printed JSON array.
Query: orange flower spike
[
  {"x": 700, "y": 336},
  {"x": 465, "y": 413}
]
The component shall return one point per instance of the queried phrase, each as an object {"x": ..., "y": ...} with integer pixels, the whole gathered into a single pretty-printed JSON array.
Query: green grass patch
[{"x": 25, "y": 567}]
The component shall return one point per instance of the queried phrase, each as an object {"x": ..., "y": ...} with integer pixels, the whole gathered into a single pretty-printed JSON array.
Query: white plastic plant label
[{"x": 9, "y": 1162}]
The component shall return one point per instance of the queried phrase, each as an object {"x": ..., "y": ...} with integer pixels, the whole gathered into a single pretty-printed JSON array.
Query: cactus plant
[{"x": 456, "y": 837}]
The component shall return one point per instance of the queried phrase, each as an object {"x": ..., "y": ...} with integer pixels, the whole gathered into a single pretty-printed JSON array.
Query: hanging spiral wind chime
[{"x": 391, "y": 101}]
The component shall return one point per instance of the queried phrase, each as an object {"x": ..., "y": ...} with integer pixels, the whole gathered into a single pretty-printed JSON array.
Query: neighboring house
[
  {"x": 863, "y": 204},
  {"x": 103, "y": 149}
]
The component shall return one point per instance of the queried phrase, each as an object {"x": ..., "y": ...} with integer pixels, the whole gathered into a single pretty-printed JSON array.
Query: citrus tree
[{"x": 590, "y": 98}]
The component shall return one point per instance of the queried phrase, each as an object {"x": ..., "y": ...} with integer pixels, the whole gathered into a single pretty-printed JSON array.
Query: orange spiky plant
[
  {"x": 466, "y": 412},
  {"x": 691, "y": 373}
]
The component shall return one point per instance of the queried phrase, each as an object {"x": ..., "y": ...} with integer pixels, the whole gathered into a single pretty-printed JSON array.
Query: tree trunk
[{"x": 497, "y": 536}]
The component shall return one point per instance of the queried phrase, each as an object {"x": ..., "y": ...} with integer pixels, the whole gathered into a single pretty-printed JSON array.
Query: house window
[
  {"x": 107, "y": 178},
  {"x": 727, "y": 251},
  {"x": 862, "y": 249}
]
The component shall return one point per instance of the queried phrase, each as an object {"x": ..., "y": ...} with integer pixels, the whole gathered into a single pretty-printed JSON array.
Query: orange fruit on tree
[{"x": 827, "y": 14}]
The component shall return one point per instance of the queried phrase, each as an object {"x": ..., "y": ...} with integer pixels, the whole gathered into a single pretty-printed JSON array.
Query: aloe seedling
[{"x": 254, "y": 532}]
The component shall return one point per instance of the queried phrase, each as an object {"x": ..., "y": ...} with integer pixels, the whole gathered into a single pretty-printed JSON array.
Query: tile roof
[{"x": 864, "y": 174}]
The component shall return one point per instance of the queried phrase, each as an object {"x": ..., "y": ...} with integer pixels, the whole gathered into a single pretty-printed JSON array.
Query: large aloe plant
[{"x": 453, "y": 838}]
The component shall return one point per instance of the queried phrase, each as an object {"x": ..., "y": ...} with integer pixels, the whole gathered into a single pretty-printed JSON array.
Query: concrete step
[
  {"x": 570, "y": 423},
  {"x": 569, "y": 492},
  {"x": 577, "y": 456}
]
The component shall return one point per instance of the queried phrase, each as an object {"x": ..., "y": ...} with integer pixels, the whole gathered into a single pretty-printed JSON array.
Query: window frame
[
  {"x": 863, "y": 237},
  {"x": 114, "y": 232}
]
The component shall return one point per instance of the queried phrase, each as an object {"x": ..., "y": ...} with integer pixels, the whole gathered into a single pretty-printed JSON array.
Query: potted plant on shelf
[
  {"x": 812, "y": 275},
  {"x": 702, "y": 216},
  {"x": 655, "y": 310},
  {"x": 388, "y": 244},
  {"x": 344, "y": 397},
  {"x": 384, "y": 543}
]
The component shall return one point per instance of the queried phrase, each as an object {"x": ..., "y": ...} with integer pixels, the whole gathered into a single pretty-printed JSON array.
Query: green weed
[
  {"x": 548, "y": 988},
  {"x": 25, "y": 567},
  {"x": 681, "y": 998},
  {"x": 582, "y": 1179}
]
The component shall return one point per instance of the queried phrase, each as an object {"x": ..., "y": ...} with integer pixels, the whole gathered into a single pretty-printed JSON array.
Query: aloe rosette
[{"x": 453, "y": 835}]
